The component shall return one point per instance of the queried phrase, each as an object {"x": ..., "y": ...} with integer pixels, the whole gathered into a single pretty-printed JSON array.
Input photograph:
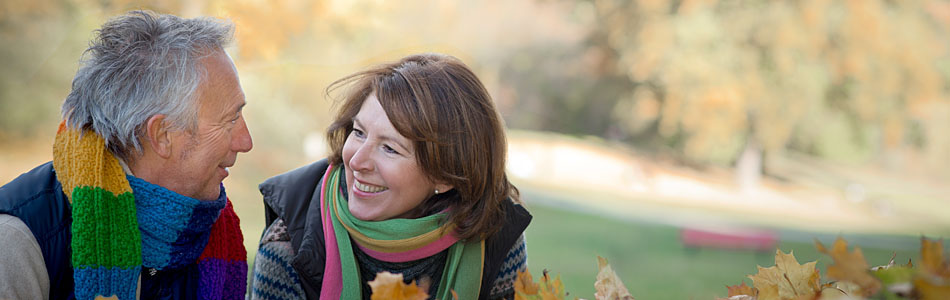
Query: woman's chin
[{"x": 363, "y": 213}]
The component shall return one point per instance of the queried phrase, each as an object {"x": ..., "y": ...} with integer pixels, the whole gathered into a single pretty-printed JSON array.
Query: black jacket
[{"x": 294, "y": 197}]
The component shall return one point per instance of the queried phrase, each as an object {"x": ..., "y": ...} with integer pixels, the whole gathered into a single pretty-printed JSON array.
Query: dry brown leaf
[
  {"x": 769, "y": 292},
  {"x": 934, "y": 283},
  {"x": 788, "y": 279},
  {"x": 389, "y": 286},
  {"x": 929, "y": 290},
  {"x": 851, "y": 267},
  {"x": 608, "y": 284},
  {"x": 741, "y": 289},
  {"x": 932, "y": 260},
  {"x": 551, "y": 290},
  {"x": 547, "y": 289},
  {"x": 525, "y": 285}
]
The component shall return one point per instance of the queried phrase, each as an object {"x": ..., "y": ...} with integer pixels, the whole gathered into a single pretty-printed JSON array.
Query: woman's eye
[
  {"x": 358, "y": 133},
  {"x": 389, "y": 149}
]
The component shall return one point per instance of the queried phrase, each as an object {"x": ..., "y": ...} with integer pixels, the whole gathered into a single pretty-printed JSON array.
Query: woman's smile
[{"x": 367, "y": 188}]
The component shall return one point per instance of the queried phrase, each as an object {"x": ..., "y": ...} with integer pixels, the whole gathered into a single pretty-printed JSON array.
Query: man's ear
[{"x": 156, "y": 136}]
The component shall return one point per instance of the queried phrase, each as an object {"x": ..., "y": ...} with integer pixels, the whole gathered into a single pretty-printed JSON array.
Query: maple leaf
[
  {"x": 850, "y": 266},
  {"x": 934, "y": 280},
  {"x": 391, "y": 286},
  {"x": 931, "y": 258},
  {"x": 608, "y": 284},
  {"x": 525, "y": 285},
  {"x": 737, "y": 290},
  {"x": 768, "y": 292},
  {"x": 547, "y": 289},
  {"x": 787, "y": 279},
  {"x": 930, "y": 290},
  {"x": 551, "y": 290}
]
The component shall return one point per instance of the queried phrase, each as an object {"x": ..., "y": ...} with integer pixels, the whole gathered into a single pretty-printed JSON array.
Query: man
[{"x": 132, "y": 204}]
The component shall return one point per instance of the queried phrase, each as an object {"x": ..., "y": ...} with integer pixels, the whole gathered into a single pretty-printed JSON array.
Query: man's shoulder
[
  {"x": 38, "y": 183},
  {"x": 17, "y": 235}
]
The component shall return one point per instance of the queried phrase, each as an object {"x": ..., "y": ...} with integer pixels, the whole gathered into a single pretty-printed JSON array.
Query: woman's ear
[
  {"x": 442, "y": 188},
  {"x": 156, "y": 136}
]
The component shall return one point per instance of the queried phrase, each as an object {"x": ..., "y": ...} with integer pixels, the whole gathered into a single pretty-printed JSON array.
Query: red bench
[{"x": 734, "y": 239}]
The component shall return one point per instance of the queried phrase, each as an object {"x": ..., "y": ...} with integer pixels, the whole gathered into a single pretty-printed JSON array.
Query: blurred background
[{"x": 682, "y": 140}]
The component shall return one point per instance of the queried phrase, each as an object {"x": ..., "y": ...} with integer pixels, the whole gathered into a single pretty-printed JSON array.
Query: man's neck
[{"x": 125, "y": 166}]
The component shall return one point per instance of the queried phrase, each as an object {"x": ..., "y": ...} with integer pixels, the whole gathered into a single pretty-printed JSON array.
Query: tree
[{"x": 847, "y": 80}]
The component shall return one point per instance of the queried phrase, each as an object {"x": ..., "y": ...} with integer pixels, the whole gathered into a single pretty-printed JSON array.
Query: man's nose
[{"x": 241, "y": 141}]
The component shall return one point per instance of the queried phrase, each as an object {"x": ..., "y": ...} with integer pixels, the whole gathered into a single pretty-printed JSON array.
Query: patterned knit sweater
[{"x": 274, "y": 278}]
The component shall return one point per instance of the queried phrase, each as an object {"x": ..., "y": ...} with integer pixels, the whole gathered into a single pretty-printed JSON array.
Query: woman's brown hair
[{"x": 436, "y": 102}]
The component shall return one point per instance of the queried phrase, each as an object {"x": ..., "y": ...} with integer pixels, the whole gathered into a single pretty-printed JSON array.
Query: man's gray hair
[{"x": 139, "y": 65}]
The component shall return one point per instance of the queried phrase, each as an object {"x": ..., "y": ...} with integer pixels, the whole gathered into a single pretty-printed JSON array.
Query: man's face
[{"x": 202, "y": 157}]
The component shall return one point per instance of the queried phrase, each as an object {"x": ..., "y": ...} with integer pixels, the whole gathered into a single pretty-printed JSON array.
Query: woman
[{"x": 415, "y": 184}]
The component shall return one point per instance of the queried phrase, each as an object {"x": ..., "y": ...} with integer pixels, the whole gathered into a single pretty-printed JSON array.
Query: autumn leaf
[
  {"x": 768, "y": 292},
  {"x": 742, "y": 289},
  {"x": 551, "y": 289},
  {"x": 391, "y": 286},
  {"x": 608, "y": 284},
  {"x": 547, "y": 289},
  {"x": 850, "y": 266},
  {"x": 929, "y": 290},
  {"x": 932, "y": 260},
  {"x": 525, "y": 285},
  {"x": 934, "y": 280},
  {"x": 787, "y": 279}
]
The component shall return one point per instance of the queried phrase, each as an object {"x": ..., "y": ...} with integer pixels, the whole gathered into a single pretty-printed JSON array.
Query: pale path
[{"x": 590, "y": 174}]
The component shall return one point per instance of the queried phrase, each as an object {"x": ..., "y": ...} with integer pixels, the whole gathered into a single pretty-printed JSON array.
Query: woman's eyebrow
[{"x": 385, "y": 137}]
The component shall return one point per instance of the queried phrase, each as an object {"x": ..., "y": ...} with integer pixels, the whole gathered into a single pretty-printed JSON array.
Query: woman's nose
[{"x": 361, "y": 160}]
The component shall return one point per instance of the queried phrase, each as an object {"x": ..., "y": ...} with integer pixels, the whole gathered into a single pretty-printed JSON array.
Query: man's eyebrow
[{"x": 239, "y": 108}]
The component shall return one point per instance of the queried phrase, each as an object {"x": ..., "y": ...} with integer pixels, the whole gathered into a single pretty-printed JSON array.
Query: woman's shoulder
[{"x": 308, "y": 174}]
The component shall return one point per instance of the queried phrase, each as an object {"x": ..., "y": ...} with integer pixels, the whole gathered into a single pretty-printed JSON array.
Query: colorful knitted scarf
[
  {"x": 395, "y": 240},
  {"x": 122, "y": 223}
]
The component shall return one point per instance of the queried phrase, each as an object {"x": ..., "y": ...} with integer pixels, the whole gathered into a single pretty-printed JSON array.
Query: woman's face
[{"x": 383, "y": 178}]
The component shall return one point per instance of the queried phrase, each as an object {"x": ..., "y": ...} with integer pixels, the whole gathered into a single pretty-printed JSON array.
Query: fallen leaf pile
[{"x": 849, "y": 276}]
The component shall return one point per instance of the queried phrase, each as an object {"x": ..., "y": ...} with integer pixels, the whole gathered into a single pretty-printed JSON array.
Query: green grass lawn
[{"x": 653, "y": 263}]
